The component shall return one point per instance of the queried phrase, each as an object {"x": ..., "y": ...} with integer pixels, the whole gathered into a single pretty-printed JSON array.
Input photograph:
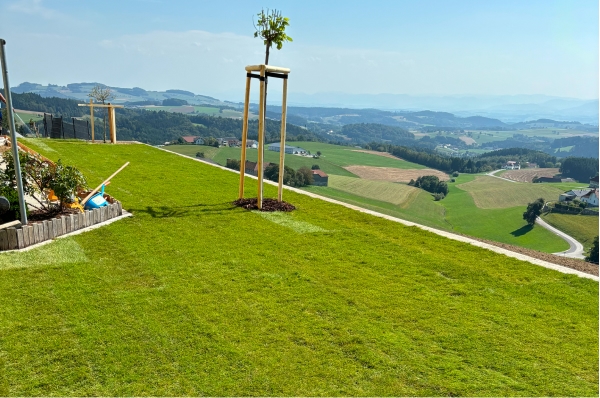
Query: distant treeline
[
  {"x": 581, "y": 169},
  {"x": 483, "y": 163},
  {"x": 56, "y": 106}
]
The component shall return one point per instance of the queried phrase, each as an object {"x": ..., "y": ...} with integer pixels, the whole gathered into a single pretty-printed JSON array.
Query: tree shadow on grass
[
  {"x": 522, "y": 231},
  {"x": 185, "y": 211}
]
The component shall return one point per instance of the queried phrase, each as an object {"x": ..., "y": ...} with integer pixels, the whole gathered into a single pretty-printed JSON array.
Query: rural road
[
  {"x": 575, "y": 248},
  {"x": 493, "y": 174}
]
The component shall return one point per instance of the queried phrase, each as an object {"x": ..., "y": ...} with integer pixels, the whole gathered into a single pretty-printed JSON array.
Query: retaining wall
[{"x": 37, "y": 232}]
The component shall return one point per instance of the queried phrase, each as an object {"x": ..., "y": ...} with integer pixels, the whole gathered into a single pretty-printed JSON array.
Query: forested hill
[{"x": 158, "y": 127}]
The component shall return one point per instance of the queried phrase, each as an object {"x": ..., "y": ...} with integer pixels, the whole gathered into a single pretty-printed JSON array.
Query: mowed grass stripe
[
  {"x": 495, "y": 193},
  {"x": 193, "y": 296},
  {"x": 398, "y": 194}
]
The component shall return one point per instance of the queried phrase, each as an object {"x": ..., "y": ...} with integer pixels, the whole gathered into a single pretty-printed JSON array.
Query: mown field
[
  {"x": 193, "y": 296},
  {"x": 397, "y": 194},
  {"x": 495, "y": 193},
  {"x": 458, "y": 212},
  {"x": 582, "y": 228},
  {"x": 332, "y": 161}
]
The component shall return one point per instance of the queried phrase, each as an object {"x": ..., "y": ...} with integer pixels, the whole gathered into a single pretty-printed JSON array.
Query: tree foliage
[
  {"x": 431, "y": 184},
  {"x": 294, "y": 178},
  {"x": 581, "y": 169},
  {"x": 534, "y": 209},
  {"x": 592, "y": 256},
  {"x": 270, "y": 27}
]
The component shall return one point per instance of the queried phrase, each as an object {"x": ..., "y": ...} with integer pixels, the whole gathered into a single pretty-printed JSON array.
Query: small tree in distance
[
  {"x": 102, "y": 94},
  {"x": 534, "y": 209}
]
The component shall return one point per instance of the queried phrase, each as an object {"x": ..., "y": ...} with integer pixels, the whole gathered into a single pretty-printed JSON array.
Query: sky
[{"x": 418, "y": 47}]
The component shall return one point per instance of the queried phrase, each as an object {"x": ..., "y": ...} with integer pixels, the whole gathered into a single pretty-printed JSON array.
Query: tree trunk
[
  {"x": 104, "y": 130},
  {"x": 265, "y": 104}
]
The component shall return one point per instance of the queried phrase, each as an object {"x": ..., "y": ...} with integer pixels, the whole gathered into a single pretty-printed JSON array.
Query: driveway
[{"x": 575, "y": 248}]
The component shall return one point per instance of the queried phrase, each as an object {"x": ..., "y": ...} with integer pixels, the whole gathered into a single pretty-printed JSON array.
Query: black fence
[{"x": 57, "y": 127}]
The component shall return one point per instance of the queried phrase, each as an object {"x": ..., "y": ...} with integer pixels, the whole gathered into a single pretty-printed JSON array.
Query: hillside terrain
[
  {"x": 198, "y": 297},
  {"x": 479, "y": 206}
]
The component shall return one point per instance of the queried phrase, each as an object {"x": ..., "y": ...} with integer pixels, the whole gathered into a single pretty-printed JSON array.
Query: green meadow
[
  {"x": 584, "y": 228},
  {"x": 193, "y": 296}
]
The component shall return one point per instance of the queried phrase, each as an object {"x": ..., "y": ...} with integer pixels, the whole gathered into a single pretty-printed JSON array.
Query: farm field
[
  {"x": 494, "y": 193},
  {"x": 457, "y": 212},
  {"x": 527, "y": 175},
  {"x": 147, "y": 306},
  {"x": 582, "y": 228},
  {"x": 491, "y": 136},
  {"x": 208, "y": 110},
  {"x": 392, "y": 174},
  {"x": 397, "y": 194}
]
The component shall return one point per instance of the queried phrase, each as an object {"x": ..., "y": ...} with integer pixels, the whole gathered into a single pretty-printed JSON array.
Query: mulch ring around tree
[{"x": 268, "y": 204}]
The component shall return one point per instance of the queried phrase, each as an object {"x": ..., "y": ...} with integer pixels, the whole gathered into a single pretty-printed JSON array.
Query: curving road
[
  {"x": 575, "y": 248},
  {"x": 493, "y": 174}
]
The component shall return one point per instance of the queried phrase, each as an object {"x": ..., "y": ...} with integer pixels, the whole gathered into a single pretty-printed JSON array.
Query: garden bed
[{"x": 35, "y": 232}]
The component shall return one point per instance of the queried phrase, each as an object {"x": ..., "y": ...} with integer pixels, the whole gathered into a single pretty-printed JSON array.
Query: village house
[
  {"x": 320, "y": 178},
  {"x": 251, "y": 144},
  {"x": 252, "y": 167},
  {"x": 228, "y": 141},
  {"x": 587, "y": 195},
  {"x": 199, "y": 141},
  {"x": 512, "y": 165},
  {"x": 189, "y": 139},
  {"x": 591, "y": 198},
  {"x": 276, "y": 147}
]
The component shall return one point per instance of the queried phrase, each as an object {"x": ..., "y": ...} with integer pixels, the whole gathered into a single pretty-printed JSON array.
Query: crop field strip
[
  {"x": 363, "y": 306},
  {"x": 527, "y": 175},
  {"x": 397, "y": 194},
  {"x": 392, "y": 174},
  {"x": 494, "y": 193}
]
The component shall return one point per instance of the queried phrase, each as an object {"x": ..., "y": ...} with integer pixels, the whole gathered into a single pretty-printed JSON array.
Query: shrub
[
  {"x": 455, "y": 174},
  {"x": 438, "y": 196},
  {"x": 315, "y": 167},
  {"x": 233, "y": 164},
  {"x": 200, "y": 155},
  {"x": 592, "y": 256}
]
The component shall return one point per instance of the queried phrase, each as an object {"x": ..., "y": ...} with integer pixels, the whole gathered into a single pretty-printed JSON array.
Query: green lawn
[
  {"x": 192, "y": 296},
  {"x": 582, "y": 228}
]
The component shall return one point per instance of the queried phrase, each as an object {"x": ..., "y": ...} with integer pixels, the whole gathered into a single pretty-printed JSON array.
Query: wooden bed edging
[{"x": 27, "y": 235}]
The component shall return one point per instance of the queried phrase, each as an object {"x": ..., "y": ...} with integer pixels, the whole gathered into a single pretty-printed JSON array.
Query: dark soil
[
  {"x": 574, "y": 263},
  {"x": 54, "y": 212},
  {"x": 268, "y": 204}
]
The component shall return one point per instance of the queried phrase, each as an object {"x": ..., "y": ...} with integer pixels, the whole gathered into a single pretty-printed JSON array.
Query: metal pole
[{"x": 13, "y": 134}]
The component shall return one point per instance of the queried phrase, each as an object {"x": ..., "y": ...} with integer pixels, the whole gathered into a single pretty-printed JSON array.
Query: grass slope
[
  {"x": 398, "y": 194},
  {"x": 582, "y": 228},
  {"x": 192, "y": 296},
  {"x": 495, "y": 193}
]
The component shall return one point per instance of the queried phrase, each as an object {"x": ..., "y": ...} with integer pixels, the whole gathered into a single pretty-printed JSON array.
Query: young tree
[
  {"x": 270, "y": 26},
  {"x": 592, "y": 256},
  {"x": 102, "y": 94},
  {"x": 534, "y": 209}
]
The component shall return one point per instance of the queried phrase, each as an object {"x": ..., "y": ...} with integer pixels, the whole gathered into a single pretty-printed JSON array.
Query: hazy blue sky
[{"x": 401, "y": 47}]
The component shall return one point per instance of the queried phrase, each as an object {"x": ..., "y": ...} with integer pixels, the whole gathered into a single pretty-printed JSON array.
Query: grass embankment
[
  {"x": 192, "y": 296},
  {"x": 582, "y": 228}
]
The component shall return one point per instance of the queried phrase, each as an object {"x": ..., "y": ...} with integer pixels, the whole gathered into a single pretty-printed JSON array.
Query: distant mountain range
[{"x": 391, "y": 109}]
